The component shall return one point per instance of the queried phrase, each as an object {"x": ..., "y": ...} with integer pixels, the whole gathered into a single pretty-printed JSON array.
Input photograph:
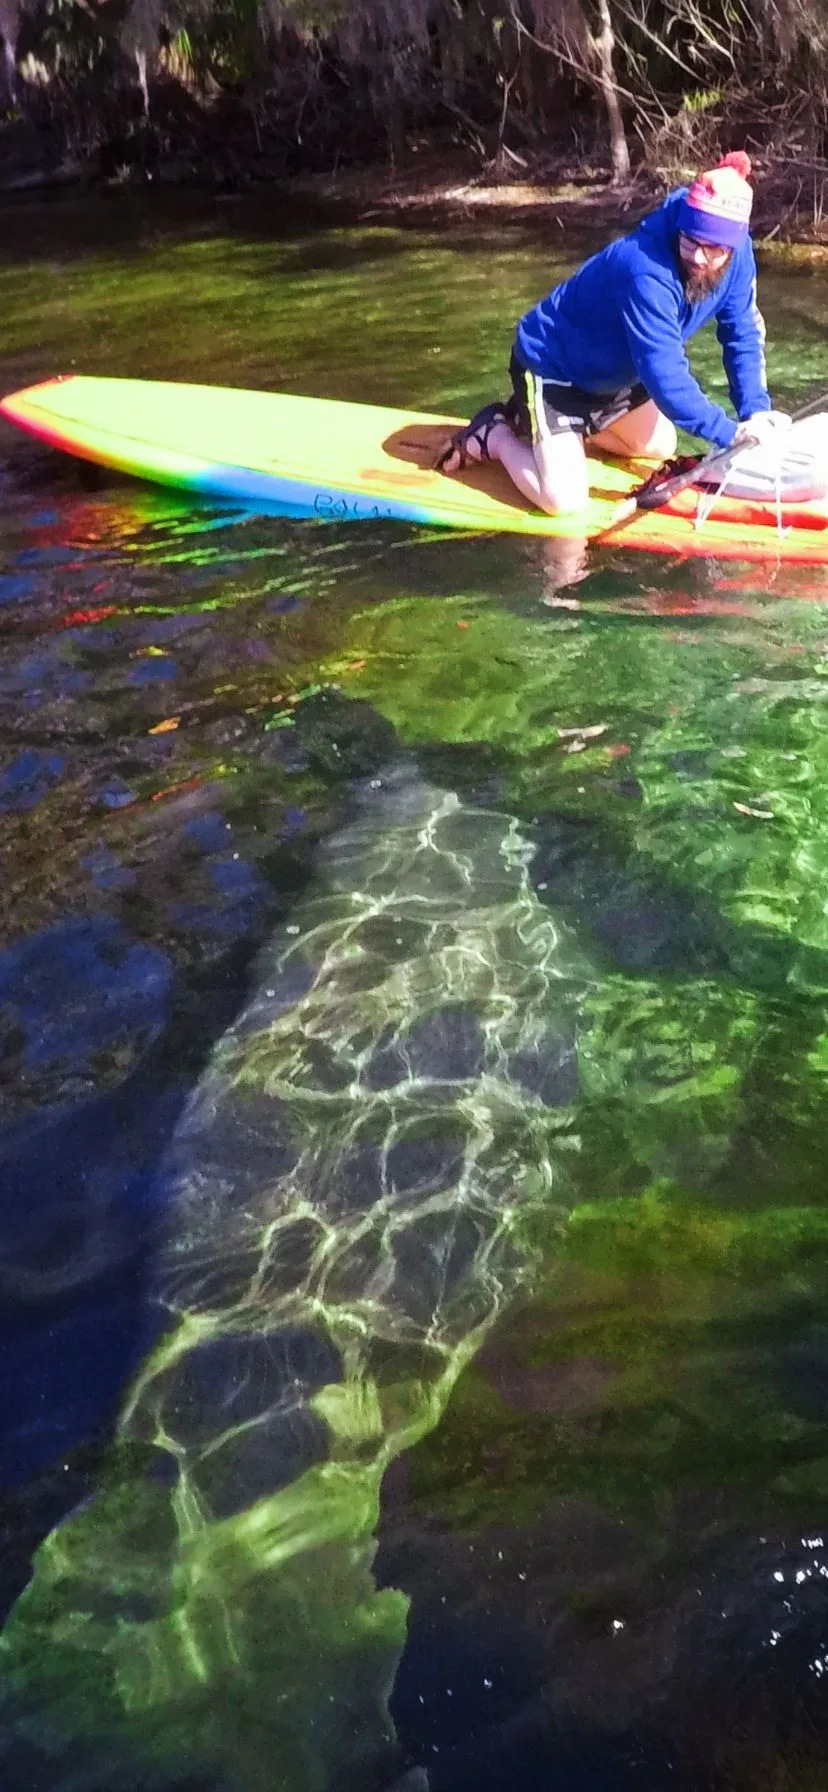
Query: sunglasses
[{"x": 713, "y": 253}]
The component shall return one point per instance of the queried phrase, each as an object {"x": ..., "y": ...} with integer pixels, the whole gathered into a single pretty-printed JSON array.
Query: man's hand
[{"x": 764, "y": 427}]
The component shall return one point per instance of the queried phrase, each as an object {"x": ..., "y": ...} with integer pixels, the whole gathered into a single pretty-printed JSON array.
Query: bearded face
[{"x": 702, "y": 265}]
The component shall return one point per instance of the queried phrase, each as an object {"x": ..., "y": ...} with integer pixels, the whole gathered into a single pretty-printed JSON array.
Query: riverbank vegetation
[{"x": 235, "y": 90}]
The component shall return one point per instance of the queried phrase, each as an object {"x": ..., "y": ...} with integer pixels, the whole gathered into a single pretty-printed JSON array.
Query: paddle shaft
[{"x": 717, "y": 461}]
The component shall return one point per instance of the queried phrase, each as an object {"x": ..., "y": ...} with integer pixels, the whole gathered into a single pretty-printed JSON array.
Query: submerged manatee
[{"x": 349, "y": 1191}]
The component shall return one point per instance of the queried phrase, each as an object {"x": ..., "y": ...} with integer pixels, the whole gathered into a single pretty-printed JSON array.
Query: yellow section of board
[
  {"x": 325, "y": 458},
  {"x": 161, "y": 429}
]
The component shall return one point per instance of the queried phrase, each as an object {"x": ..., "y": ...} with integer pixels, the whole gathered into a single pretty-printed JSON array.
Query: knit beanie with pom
[{"x": 716, "y": 209}]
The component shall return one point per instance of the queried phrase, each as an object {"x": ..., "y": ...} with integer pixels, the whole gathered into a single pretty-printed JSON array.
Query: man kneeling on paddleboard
[{"x": 602, "y": 358}]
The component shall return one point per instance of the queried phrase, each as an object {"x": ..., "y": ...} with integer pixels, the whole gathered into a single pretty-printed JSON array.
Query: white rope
[
  {"x": 776, "y": 446},
  {"x": 703, "y": 510}
]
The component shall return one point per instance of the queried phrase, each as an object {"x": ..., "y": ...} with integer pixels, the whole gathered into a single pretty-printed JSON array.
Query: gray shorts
[{"x": 564, "y": 407}]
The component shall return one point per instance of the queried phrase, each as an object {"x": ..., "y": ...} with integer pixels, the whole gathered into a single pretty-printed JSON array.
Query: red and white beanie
[{"x": 716, "y": 209}]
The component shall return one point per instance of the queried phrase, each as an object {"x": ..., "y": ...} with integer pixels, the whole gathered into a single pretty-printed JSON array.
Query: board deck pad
[{"x": 325, "y": 458}]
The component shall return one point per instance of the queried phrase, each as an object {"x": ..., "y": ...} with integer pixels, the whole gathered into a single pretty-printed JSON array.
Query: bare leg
[
  {"x": 644, "y": 431},
  {"x": 565, "y": 557},
  {"x": 553, "y": 473}
]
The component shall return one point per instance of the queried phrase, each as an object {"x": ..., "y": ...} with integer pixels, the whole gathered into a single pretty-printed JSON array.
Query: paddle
[{"x": 656, "y": 492}]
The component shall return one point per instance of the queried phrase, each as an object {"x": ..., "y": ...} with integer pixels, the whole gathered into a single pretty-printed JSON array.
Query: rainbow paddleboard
[{"x": 314, "y": 457}]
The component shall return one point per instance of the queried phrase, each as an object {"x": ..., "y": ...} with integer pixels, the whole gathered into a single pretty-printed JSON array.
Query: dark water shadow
[
  {"x": 84, "y": 1186},
  {"x": 67, "y": 227},
  {"x": 493, "y": 1691},
  {"x": 76, "y": 1311}
]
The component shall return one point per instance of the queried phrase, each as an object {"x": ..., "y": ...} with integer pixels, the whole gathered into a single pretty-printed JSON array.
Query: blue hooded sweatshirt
[{"x": 624, "y": 317}]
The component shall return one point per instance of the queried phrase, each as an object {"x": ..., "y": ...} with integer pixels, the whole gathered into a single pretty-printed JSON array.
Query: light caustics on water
[{"x": 350, "y": 1187}]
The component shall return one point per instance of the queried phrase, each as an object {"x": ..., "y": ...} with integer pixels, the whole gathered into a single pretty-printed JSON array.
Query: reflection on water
[{"x": 413, "y": 1054}]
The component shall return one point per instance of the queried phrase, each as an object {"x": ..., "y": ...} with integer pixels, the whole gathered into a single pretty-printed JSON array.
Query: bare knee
[
  {"x": 552, "y": 474},
  {"x": 564, "y": 498},
  {"x": 662, "y": 441}
]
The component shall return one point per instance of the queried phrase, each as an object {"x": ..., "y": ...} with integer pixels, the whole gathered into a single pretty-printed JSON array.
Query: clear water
[{"x": 414, "y": 1061}]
